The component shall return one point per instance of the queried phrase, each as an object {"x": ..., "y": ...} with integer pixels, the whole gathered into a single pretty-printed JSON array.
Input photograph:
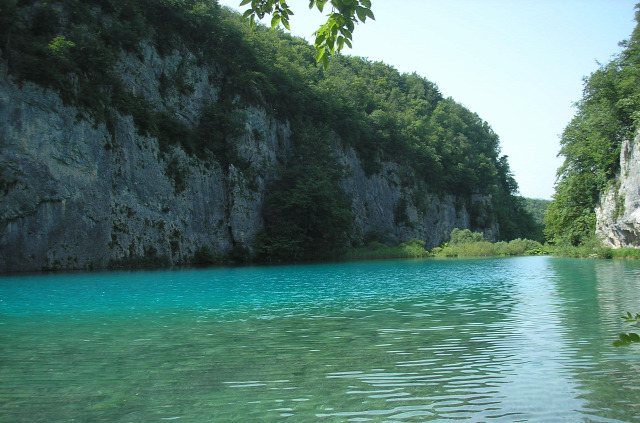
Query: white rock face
[
  {"x": 76, "y": 195},
  {"x": 618, "y": 214}
]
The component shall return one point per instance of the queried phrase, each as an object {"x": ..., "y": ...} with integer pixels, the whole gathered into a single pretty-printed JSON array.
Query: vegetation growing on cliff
[
  {"x": 307, "y": 215},
  {"x": 72, "y": 47},
  {"x": 606, "y": 115}
]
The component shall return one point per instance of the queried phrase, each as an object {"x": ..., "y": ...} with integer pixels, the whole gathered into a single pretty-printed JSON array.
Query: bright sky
[{"x": 518, "y": 64}]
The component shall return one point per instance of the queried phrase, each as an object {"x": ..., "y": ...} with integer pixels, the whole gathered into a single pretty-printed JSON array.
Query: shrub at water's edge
[
  {"x": 592, "y": 247},
  {"x": 626, "y": 253},
  {"x": 462, "y": 243},
  {"x": 414, "y": 248}
]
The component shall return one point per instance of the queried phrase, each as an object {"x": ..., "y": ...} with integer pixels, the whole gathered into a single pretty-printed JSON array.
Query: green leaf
[
  {"x": 346, "y": 33},
  {"x": 334, "y": 31},
  {"x": 625, "y": 338},
  {"x": 619, "y": 343},
  {"x": 634, "y": 337},
  {"x": 362, "y": 14},
  {"x": 275, "y": 20},
  {"x": 320, "y": 54},
  {"x": 366, "y": 3},
  {"x": 325, "y": 61},
  {"x": 243, "y": 2},
  {"x": 285, "y": 23},
  {"x": 350, "y": 25},
  {"x": 247, "y": 13},
  {"x": 370, "y": 14},
  {"x": 319, "y": 39}
]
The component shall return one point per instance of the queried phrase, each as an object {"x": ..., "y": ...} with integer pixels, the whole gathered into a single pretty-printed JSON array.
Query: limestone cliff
[
  {"x": 618, "y": 213},
  {"x": 88, "y": 187},
  {"x": 77, "y": 194}
]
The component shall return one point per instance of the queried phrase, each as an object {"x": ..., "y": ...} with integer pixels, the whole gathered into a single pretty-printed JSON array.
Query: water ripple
[{"x": 525, "y": 339}]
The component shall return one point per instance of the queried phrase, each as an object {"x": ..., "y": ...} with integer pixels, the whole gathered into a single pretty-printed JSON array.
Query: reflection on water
[{"x": 525, "y": 339}]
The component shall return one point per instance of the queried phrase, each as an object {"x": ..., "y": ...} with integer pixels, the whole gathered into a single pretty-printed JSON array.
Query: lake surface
[{"x": 485, "y": 340}]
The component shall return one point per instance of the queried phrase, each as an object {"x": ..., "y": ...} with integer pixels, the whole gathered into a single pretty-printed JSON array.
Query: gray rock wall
[
  {"x": 74, "y": 195},
  {"x": 388, "y": 208},
  {"x": 618, "y": 213}
]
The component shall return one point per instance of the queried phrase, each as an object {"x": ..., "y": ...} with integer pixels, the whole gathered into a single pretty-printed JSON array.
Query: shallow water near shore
[{"x": 516, "y": 339}]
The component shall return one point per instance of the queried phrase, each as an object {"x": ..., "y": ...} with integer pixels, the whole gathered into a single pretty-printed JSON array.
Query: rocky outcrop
[
  {"x": 618, "y": 213},
  {"x": 76, "y": 194},
  {"x": 387, "y": 208}
]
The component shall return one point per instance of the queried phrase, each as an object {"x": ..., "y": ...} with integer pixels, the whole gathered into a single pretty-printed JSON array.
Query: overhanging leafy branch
[
  {"x": 631, "y": 337},
  {"x": 332, "y": 36}
]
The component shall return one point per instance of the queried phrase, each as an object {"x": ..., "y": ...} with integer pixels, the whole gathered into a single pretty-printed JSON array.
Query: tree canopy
[{"x": 607, "y": 114}]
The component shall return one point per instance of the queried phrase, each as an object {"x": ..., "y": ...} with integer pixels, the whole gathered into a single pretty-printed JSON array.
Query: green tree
[
  {"x": 59, "y": 47},
  {"x": 537, "y": 207},
  {"x": 307, "y": 214},
  {"x": 606, "y": 115},
  {"x": 464, "y": 236},
  {"x": 332, "y": 36}
]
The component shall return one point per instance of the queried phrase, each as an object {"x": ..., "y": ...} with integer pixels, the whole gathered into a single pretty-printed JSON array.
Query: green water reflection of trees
[{"x": 592, "y": 294}]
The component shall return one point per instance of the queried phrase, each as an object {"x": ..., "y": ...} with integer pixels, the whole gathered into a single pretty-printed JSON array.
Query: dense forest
[
  {"x": 606, "y": 115},
  {"x": 71, "y": 46},
  {"x": 537, "y": 208}
]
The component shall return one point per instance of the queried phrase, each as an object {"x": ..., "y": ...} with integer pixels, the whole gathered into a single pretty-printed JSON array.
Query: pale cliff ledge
[{"x": 618, "y": 213}]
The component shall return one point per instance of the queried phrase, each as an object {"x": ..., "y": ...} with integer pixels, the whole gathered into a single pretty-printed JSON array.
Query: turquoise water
[{"x": 492, "y": 340}]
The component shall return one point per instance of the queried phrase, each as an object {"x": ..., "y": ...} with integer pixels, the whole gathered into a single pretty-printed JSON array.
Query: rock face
[
  {"x": 385, "y": 207},
  {"x": 618, "y": 214},
  {"x": 75, "y": 194}
]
